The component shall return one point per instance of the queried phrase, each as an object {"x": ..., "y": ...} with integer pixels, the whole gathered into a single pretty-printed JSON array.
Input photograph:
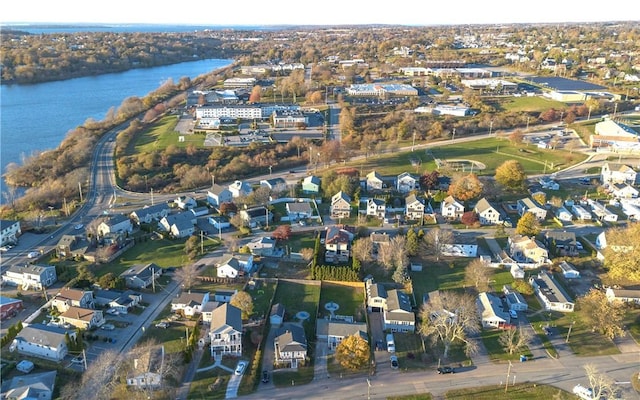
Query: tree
[
  {"x": 601, "y": 385},
  {"x": 307, "y": 253},
  {"x": 362, "y": 249},
  {"x": 511, "y": 175},
  {"x": 469, "y": 218},
  {"x": 514, "y": 339},
  {"x": 603, "y": 316},
  {"x": 393, "y": 255},
  {"x": 282, "y": 232},
  {"x": 436, "y": 240},
  {"x": 256, "y": 94},
  {"x": 466, "y": 187},
  {"x": 528, "y": 225},
  {"x": 227, "y": 208},
  {"x": 448, "y": 319},
  {"x": 244, "y": 302},
  {"x": 191, "y": 247},
  {"x": 429, "y": 180},
  {"x": 412, "y": 242},
  {"x": 96, "y": 382},
  {"x": 353, "y": 352},
  {"x": 188, "y": 274},
  {"x": 622, "y": 252},
  {"x": 478, "y": 274}
]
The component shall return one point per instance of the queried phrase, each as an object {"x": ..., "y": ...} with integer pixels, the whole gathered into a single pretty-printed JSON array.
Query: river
[{"x": 36, "y": 118}]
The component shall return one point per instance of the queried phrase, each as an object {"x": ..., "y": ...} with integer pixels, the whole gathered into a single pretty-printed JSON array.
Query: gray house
[{"x": 141, "y": 276}]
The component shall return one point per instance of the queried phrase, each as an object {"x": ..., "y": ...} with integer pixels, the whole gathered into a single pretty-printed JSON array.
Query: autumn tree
[
  {"x": 478, "y": 274},
  {"x": 191, "y": 247},
  {"x": 436, "y": 240},
  {"x": 227, "y": 208},
  {"x": 528, "y": 225},
  {"x": 469, "y": 218},
  {"x": 362, "y": 249},
  {"x": 429, "y": 180},
  {"x": 513, "y": 339},
  {"x": 256, "y": 94},
  {"x": 244, "y": 302},
  {"x": 188, "y": 274},
  {"x": 444, "y": 329},
  {"x": 412, "y": 242},
  {"x": 602, "y": 315},
  {"x": 353, "y": 352},
  {"x": 622, "y": 252},
  {"x": 510, "y": 174},
  {"x": 466, "y": 187},
  {"x": 282, "y": 232}
]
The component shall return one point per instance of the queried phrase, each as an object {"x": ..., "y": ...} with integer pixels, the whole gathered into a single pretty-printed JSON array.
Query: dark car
[
  {"x": 446, "y": 370},
  {"x": 265, "y": 376}
]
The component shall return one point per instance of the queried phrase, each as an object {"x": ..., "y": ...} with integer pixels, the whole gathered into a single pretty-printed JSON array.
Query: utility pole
[
  {"x": 569, "y": 333},
  {"x": 201, "y": 242},
  {"x": 151, "y": 196},
  {"x": 453, "y": 135},
  {"x": 84, "y": 359},
  {"x": 80, "y": 190},
  {"x": 490, "y": 127},
  {"x": 528, "y": 117},
  {"x": 414, "y": 141},
  {"x": 506, "y": 386}
]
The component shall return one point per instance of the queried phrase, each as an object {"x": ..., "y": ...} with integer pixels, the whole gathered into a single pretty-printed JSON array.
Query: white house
[
  {"x": 632, "y": 211},
  {"x": 240, "y": 189},
  {"x": 117, "y": 300},
  {"x": 374, "y": 181},
  {"x": 617, "y": 173},
  {"x": 414, "y": 208},
  {"x": 527, "y": 250},
  {"x": 530, "y": 205},
  {"x": 141, "y": 276},
  {"x": 149, "y": 214},
  {"x": 492, "y": 315},
  {"x": 218, "y": 195},
  {"x": 488, "y": 214},
  {"x": 563, "y": 214},
  {"x": 376, "y": 295},
  {"x": 255, "y": 216},
  {"x": 234, "y": 265},
  {"x": 83, "y": 318},
  {"x": 299, "y": 210},
  {"x": 462, "y": 246},
  {"x": 514, "y": 299},
  {"x": 274, "y": 184},
  {"x": 190, "y": 303},
  {"x": 185, "y": 202},
  {"x": 516, "y": 271},
  {"x": 568, "y": 271},
  {"x": 38, "y": 386},
  {"x": 115, "y": 224},
  {"x": 340, "y": 205},
  {"x": 290, "y": 346},
  {"x": 376, "y": 208},
  {"x": 311, "y": 185},
  {"x": 601, "y": 212},
  {"x": 332, "y": 332},
  {"x": 147, "y": 370},
  {"x": 405, "y": 183},
  {"x": 623, "y": 295},
  {"x": 551, "y": 295},
  {"x": 451, "y": 208},
  {"x": 226, "y": 331},
  {"x": 623, "y": 191},
  {"x": 42, "y": 341},
  {"x": 219, "y": 222},
  {"x": 70, "y": 297},
  {"x": 580, "y": 213},
  {"x": 9, "y": 231},
  {"x": 262, "y": 246},
  {"x": 179, "y": 225},
  {"x": 398, "y": 313},
  {"x": 337, "y": 245},
  {"x": 30, "y": 276}
]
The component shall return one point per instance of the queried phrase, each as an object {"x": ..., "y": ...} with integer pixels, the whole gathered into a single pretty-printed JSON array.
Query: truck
[{"x": 391, "y": 344}]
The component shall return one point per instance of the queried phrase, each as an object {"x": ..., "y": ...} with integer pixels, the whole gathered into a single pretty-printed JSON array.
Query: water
[
  {"x": 35, "y": 118},
  {"x": 38, "y": 29}
]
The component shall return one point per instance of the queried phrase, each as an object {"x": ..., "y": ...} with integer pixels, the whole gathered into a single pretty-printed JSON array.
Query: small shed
[
  {"x": 276, "y": 318},
  {"x": 415, "y": 267},
  {"x": 568, "y": 271}
]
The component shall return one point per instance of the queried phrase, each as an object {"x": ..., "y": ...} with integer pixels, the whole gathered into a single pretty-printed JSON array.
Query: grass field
[
  {"x": 350, "y": 299},
  {"x": 490, "y": 338},
  {"x": 440, "y": 276},
  {"x": 295, "y": 297},
  {"x": 520, "y": 391},
  {"x": 162, "y": 134},
  {"x": 530, "y": 104}
]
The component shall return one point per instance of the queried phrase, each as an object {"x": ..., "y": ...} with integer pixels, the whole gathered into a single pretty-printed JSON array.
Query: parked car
[
  {"x": 265, "y": 376},
  {"x": 446, "y": 370},
  {"x": 3, "y": 249},
  {"x": 579, "y": 246},
  {"x": 78, "y": 227},
  {"x": 240, "y": 368},
  {"x": 33, "y": 254},
  {"x": 108, "y": 327},
  {"x": 163, "y": 325},
  {"x": 394, "y": 362},
  {"x": 513, "y": 314},
  {"x": 113, "y": 311},
  {"x": 77, "y": 360}
]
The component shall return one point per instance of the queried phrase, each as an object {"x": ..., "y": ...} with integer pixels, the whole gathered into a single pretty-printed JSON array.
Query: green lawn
[
  {"x": 349, "y": 298},
  {"x": 162, "y": 134},
  {"x": 440, "y": 275},
  {"x": 295, "y": 297},
  {"x": 490, "y": 338},
  {"x": 530, "y": 104},
  {"x": 520, "y": 391},
  {"x": 299, "y": 241}
]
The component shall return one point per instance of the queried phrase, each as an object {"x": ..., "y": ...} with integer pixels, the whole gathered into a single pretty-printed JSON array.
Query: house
[
  {"x": 71, "y": 246},
  {"x": 340, "y": 205},
  {"x": 617, "y": 173},
  {"x": 300, "y": 210},
  {"x": 262, "y": 246},
  {"x": 185, "y": 202},
  {"x": 141, "y": 276},
  {"x": 337, "y": 245},
  {"x": 530, "y": 205},
  {"x": 376, "y": 295},
  {"x": 275, "y": 185},
  {"x": 562, "y": 243},
  {"x": 516, "y": 271},
  {"x": 632, "y": 211},
  {"x": 623, "y": 191},
  {"x": 379, "y": 239},
  {"x": 9, "y": 231},
  {"x": 461, "y": 246},
  {"x": 218, "y": 195},
  {"x": 563, "y": 214},
  {"x": 83, "y": 318},
  {"x": 568, "y": 271},
  {"x": 179, "y": 225},
  {"x": 10, "y": 307},
  {"x": 148, "y": 214},
  {"x": 492, "y": 315},
  {"x": 414, "y": 208},
  {"x": 42, "y": 341},
  {"x": 147, "y": 370},
  {"x": 219, "y": 222},
  {"x": 234, "y": 265},
  {"x": 69, "y": 297},
  {"x": 256, "y": 216},
  {"x": 451, "y": 208},
  {"x": 115, "y": 224},
  {"x": 398, "y": 313},
  {"x": 290, "y": 346},
  {"x": 117, "y": 300},
  {"x": 550, "y": 294},
  {"x": 488, "y": 214},
  {"x": 311, "y": 185},
  {"x": 226, "y": 331},
  {"x": 200, "y": 211},
  {"x": 335, "y": 331},
  {"x": 224, "y": 296},
  {"x": 580, "y": 213},
  {"x": 547, "y": 182},
  {"x": 376, "y": 208},
  {"x": 601, "y": 212},
  {"x": 527, "y": 250},
  {"x": 190, "y": 303},
  {"x": 38, "y": 386},
  {"x": 207, "y": 311},
  {"x": 240, "y": 189},
  {"x": 374, "y": 181},
  {"x": 31, "y": 276},
  {"x": 628, "y": 295},
  {"x": 514, "y": 299},
  {"x": 276, "y": 316},
  {"x": 405, "y": 183}
]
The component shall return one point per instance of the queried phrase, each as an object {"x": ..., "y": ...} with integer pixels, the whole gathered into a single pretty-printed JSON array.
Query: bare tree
[
  {"x": 188, "y": 274},
  {"x": 513, "y": 340},
  {"x": 393, "y": 254},
  {"x": 477, "y": 274},
  {"x": 97, "y": 381},
  {"x": 362, "y": 249},
  {"x": 448, "y": 319},
  {"x": 436, "y": 240},
  {"x": 307, "y": 253},
  {"x": 601, "y": 385}
]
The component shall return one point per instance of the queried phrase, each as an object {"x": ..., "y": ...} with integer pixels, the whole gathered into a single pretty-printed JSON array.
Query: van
[
  {"x": 391, "y": 345},
  {"x": 584, "y": 393}
]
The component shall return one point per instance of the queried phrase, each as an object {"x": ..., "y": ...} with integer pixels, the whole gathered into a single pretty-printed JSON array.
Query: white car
[
  {"x": 78, "y": 227},
  {"x": 33, "y": 254},
  {"x": 240, "y": 368},
  {"x": 163, "y": 325},
  {"x": 3, "y": 249},
  {"x": 77, "y": 360},
  {"x": 579, "y": 246},
  {"x": 113, "y": 311},
  {"x": 108, "y": 327}
]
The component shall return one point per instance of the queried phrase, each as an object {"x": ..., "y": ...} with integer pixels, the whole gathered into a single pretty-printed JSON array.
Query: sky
[{"x": 325, "y": 12}]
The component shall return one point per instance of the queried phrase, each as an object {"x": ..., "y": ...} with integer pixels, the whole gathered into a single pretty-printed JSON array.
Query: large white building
[
  {"x": 615, "y": 137},
  {"x": 226, "y": 111}
]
